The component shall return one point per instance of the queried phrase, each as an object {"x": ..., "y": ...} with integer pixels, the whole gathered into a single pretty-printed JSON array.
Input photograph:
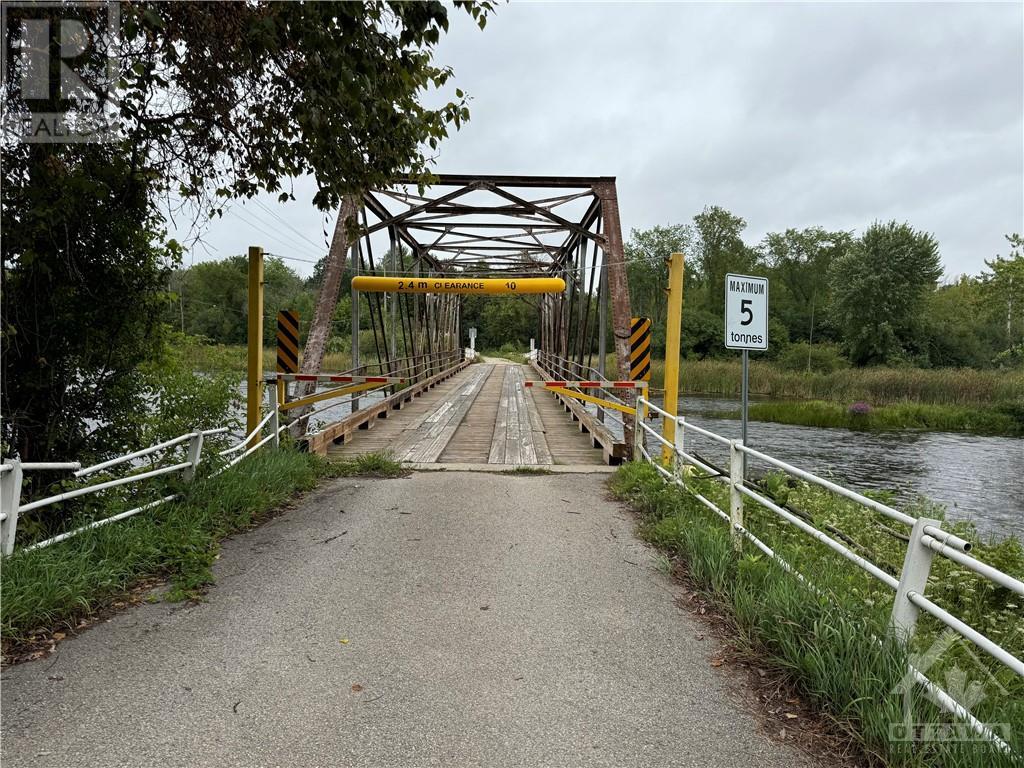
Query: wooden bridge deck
[{"x": 481, "y": 415}]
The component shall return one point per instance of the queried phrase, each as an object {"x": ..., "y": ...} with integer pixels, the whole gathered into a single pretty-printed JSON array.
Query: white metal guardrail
[
  {"x": 12, "y": 471},
  {"x": 926, "y": 540}
]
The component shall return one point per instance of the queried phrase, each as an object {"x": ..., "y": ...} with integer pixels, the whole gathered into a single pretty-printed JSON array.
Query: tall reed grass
[{"x": 877, "y": 386}]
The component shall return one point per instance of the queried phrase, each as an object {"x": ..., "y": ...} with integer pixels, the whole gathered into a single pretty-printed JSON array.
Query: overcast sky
[{"x": 790, "y": 115}]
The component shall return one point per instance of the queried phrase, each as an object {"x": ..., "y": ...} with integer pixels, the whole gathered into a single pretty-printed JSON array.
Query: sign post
[
  {"x": 746, "y": 324},
  {"x": 472, "y": 343}
]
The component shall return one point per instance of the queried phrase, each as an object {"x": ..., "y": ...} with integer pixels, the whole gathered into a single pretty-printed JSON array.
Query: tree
[
  {"x": 646, "y": 254},
  {"x": 800, "y": 262},
  {"x": 879, "y": 288},
  {"x": 84, "y": 294},
  {"x": 215, "y": 101},
  {"x": 210, "y": 299},
  {"x": 720, "y": 249},
  {"x": 1004, "y": 287}
]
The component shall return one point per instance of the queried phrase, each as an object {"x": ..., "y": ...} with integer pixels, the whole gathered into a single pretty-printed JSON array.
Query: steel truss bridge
[{"x": 463, "y": 228}]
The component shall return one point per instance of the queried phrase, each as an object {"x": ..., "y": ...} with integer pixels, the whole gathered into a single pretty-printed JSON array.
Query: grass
[
  {"x": 527, "y": 471},
  {"x": 942, "y": 418},
  {"x": 942, "y": 399},
  {"x": 513, "y": 356},
  {"x": 379, "y": 464},
  {"x": 877, "y": 385},
  {"x": 61, "y": 584},
  {"x": 825, "y": 646}
]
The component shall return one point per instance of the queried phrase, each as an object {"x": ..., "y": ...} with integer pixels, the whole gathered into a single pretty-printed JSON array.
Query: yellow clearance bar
[{"x": 477, "y": 285}]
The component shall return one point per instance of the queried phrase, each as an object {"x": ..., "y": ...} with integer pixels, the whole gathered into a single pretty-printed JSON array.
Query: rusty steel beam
[
  {"x": 451, "y": 180},
  {"x": 618, "y": 284}
]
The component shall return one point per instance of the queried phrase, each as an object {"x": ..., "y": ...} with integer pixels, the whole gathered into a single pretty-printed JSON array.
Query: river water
[{"x": 976, "y": 478}]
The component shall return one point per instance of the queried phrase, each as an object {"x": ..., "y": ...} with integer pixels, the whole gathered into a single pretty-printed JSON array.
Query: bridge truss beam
[{"x": 489, "y": 226}]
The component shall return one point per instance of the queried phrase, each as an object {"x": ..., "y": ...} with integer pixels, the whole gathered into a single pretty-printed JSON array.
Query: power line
[
  {"x": 285, "y": 223},
  {"x": 258, "y": 226}
]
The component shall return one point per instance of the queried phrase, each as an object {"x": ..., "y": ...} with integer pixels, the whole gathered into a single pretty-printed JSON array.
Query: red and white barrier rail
[
  {"x": 589, "y": 384},
  {"x": 336, "y": 378}
]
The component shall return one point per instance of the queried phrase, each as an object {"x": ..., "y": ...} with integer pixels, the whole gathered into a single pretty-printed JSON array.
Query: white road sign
[{"x": 746, "y": 312}]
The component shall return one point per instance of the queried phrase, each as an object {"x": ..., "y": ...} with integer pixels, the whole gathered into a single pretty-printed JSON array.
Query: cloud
[{"x": 790, "y": 115}]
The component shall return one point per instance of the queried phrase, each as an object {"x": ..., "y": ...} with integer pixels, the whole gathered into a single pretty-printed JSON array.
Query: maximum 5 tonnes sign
[{"x": 746, "y": 312}]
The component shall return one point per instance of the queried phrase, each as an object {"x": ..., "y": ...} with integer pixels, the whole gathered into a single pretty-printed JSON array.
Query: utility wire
[
  {"x": 285, "y": 223},
  {"x": 259, "y": 226}
]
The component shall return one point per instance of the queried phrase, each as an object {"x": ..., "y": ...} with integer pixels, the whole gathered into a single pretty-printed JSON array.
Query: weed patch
[{"x": 380, "y": 464}]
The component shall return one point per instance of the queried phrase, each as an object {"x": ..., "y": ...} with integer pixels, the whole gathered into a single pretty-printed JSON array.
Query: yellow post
[
  {"x": 254, "y": 392},
  {"x": 673, "y": 331}
]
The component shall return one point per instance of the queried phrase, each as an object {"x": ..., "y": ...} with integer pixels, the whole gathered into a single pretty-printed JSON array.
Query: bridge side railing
[
  {"x": 926, "y": 540},
  {"x": 393, "y": 375},
  {"x": 570, "y": 369}
]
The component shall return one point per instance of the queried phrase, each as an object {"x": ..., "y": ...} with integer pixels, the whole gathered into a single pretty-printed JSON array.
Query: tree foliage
[
  {"x": 83, "y": 295},
  {"x": 821, "y": 284},
  {"x": 215, "y": 101},
  {"x": 879, "y": 287}
]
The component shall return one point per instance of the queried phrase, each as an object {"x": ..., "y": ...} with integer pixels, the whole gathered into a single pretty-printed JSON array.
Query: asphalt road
[{"x": 446, "y": 619}]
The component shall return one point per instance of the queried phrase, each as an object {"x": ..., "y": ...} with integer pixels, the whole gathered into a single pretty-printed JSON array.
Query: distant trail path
[{"x": 490, "y": 620}]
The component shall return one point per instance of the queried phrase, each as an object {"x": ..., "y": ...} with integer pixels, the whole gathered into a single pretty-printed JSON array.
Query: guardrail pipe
[
  {"x": 917, "y": 563},
  {"x": 735, "y": 497},
  {"x": 679, "y": 440},
  {"x": 10, "y": 500},
  {"x": 195, "y": 454},
  {"x": 275, "y": 422}
]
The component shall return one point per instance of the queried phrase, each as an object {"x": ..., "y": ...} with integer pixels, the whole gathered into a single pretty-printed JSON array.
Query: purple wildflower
[{"x": 859, "y": 409}]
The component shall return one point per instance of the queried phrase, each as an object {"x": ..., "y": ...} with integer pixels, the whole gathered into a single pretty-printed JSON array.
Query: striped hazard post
[
  {"x": 640, "y": 349},
  {"x": 287, "y": 341},
  {"x": 287, "y": 348}
]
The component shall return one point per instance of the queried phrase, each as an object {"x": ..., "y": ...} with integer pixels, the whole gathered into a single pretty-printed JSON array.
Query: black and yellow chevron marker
[
  {"x": 640, "y": 349},
  {"x": 288, "y": 341}
]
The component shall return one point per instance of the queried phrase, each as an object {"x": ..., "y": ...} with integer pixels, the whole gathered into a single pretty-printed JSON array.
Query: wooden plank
[
  {"x": 440, "y": 425},
  {"x": 499, "y": 439},
  {"x": 614, "y": 449},
  {"x": 513, "y": 443},
  {"x": 385, "y": 435},
  {"x": 471, "y": 443},
  {"x": 531, "y": 424},
  {"x": 322, "y": 440},
  {"x": 528, "y": 451},
  {"x": 567, "y": 445}
]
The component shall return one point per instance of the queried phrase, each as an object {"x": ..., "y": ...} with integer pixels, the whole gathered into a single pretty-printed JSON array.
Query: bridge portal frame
[{"x": 504, "y": 226}]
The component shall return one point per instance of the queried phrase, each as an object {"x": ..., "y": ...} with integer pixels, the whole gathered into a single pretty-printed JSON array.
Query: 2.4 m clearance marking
[{"x": 480, "y": 285}]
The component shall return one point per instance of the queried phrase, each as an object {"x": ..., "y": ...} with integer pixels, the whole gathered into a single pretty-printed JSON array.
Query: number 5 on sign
[{"x": 746, "y": 312}]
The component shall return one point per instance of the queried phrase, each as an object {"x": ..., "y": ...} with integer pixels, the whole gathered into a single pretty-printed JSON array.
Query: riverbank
[
  {"x": 875, "y": 386},
  {"x": 823, "y": 647},
  {"x": 1004, "y": 420},
  {"x": 218, "y": 358},
  {"x": 939, "y": 400}
]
